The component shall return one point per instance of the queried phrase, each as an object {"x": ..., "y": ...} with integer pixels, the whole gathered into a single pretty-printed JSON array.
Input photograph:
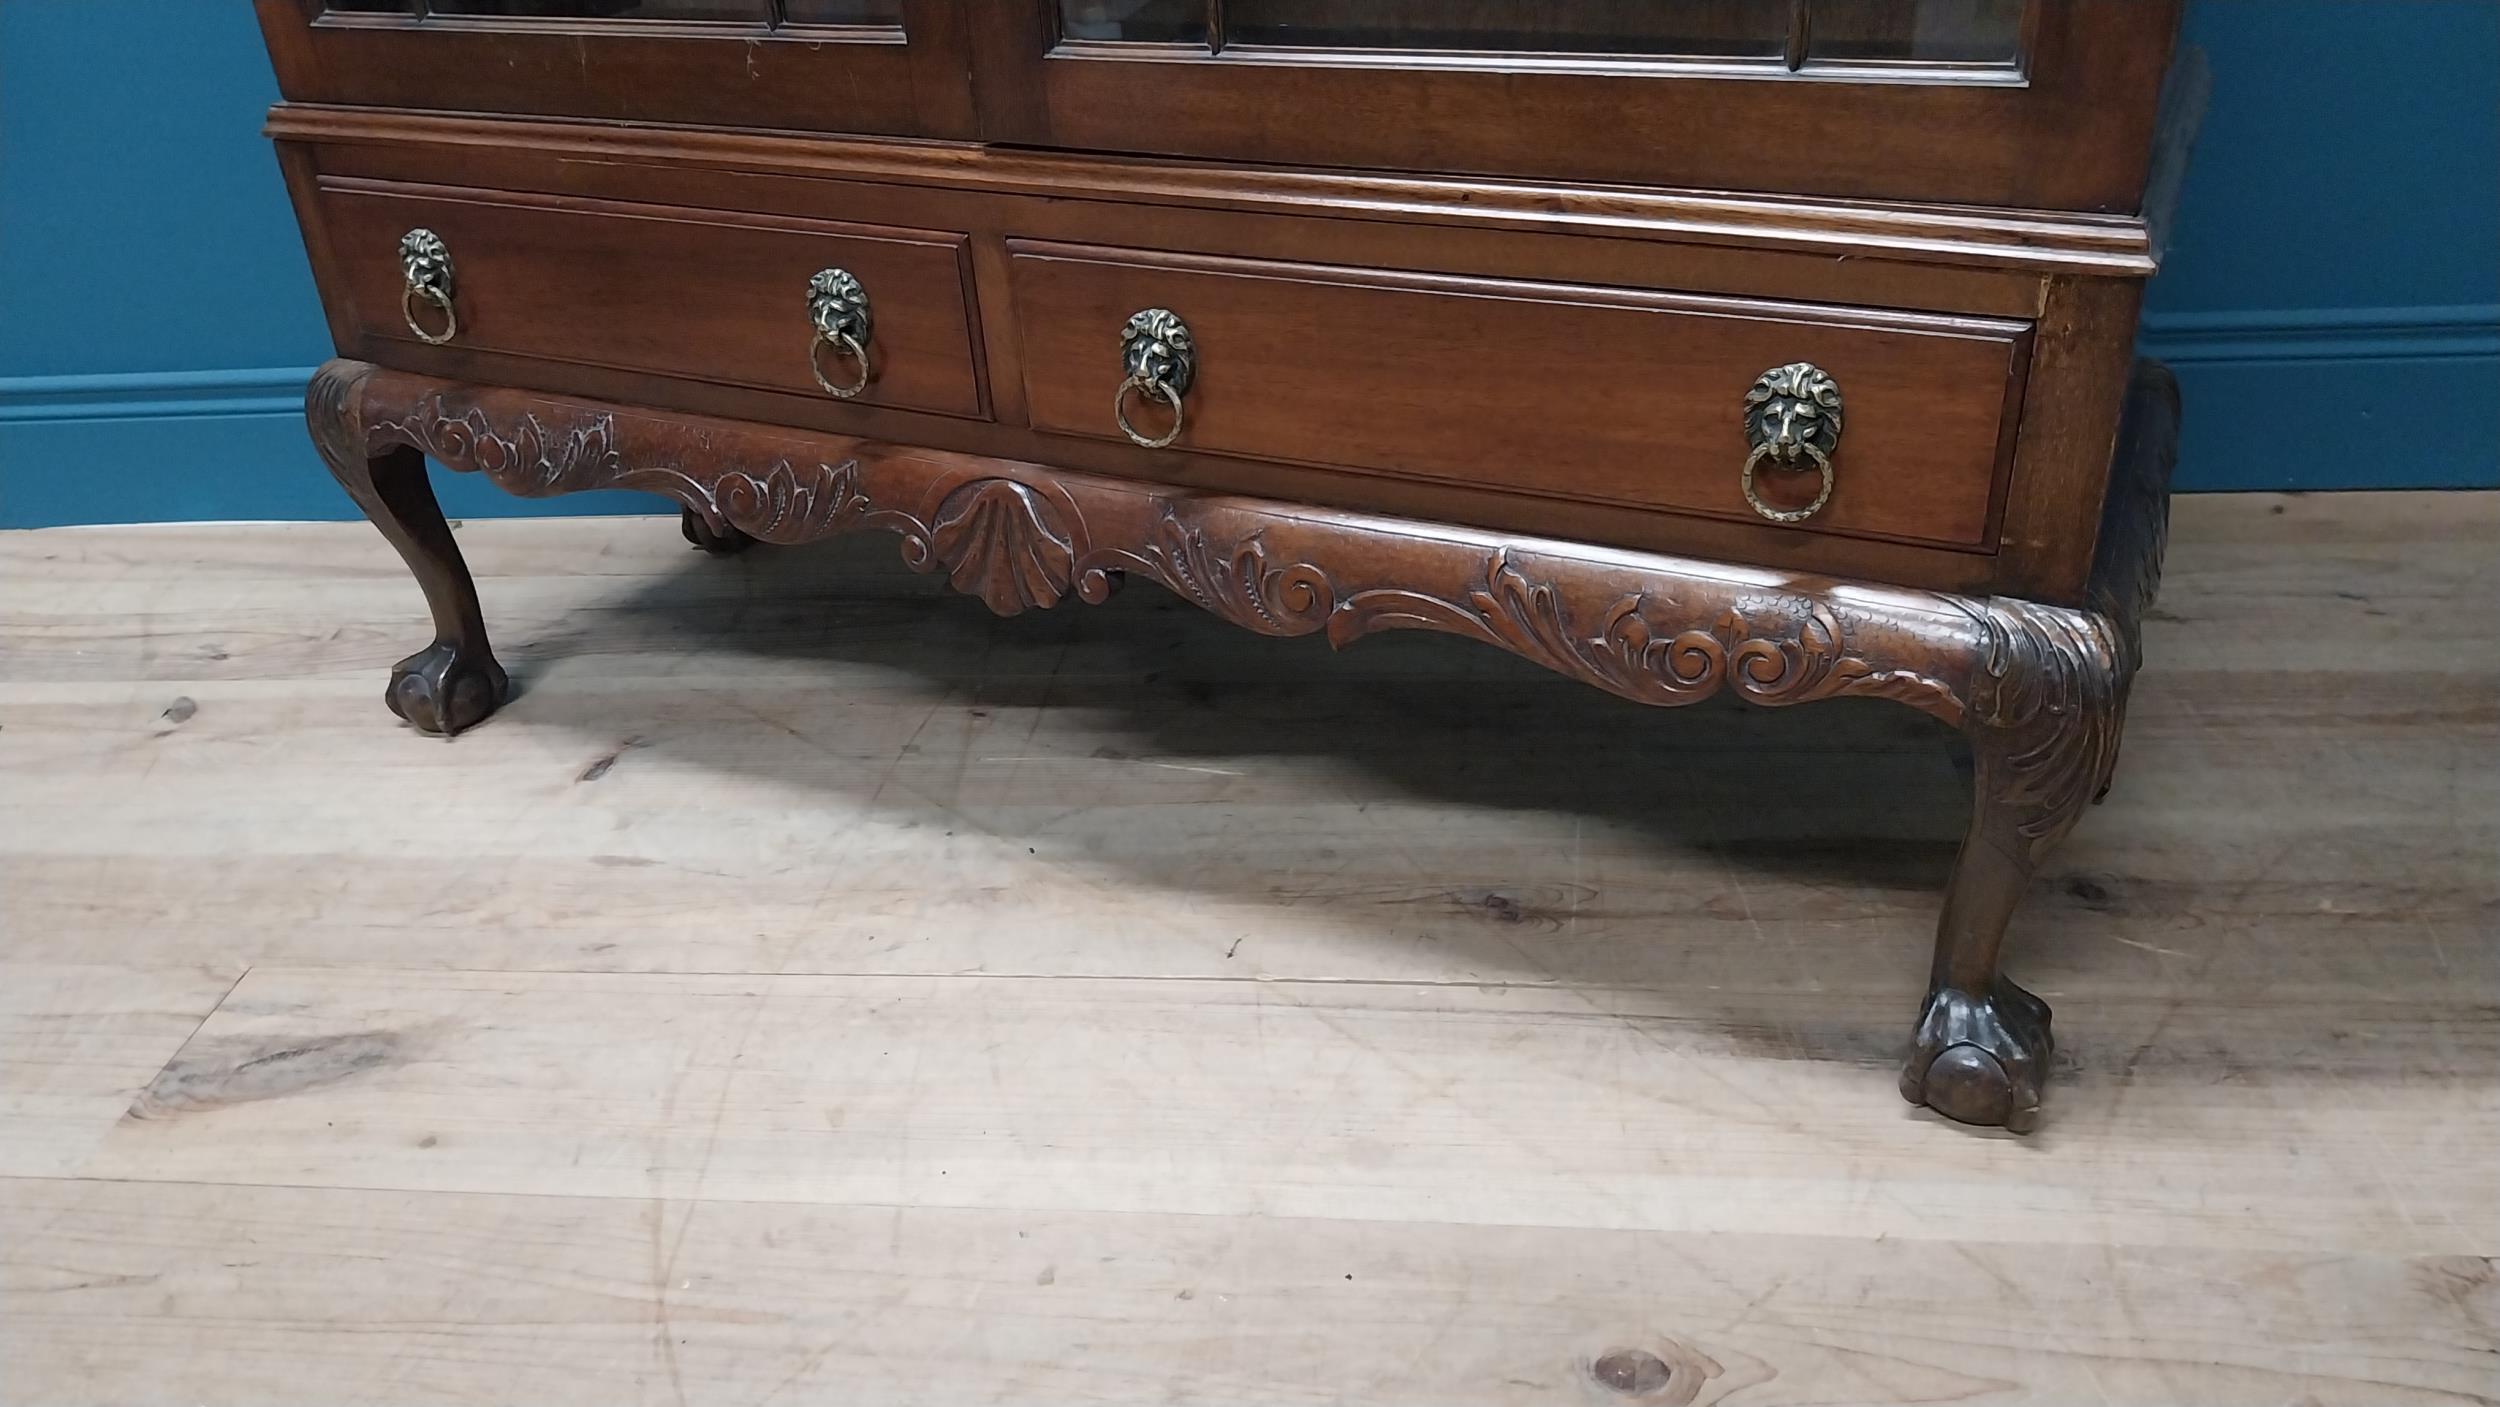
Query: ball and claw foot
[
  {"x": 1979, "y": 1059},
  {"x": 719, "y": 543},
  {"x": 440, "y": 690}
]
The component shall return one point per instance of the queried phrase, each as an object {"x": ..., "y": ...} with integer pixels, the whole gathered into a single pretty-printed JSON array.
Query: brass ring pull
[
  {"x": 408, "y": 309},
  {"x": 425, "y": 272},
  {"x": 838, "y": 307},
  {"x": 1161, "y": 360},
  {"x": 1788, "y": 515},
  {"x": 1154, "y": 390},
  {"x": 1792, "y": 415},
  {"x": 841, "y": 342}
]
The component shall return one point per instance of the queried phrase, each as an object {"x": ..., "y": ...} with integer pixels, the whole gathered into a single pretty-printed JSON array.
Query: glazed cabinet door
[
  {"x": 889, "y": 67},
  {"x": 2045, "y": 103}
]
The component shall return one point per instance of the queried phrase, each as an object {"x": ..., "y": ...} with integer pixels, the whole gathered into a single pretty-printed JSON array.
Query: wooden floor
[{"x": 812, "y": 990}]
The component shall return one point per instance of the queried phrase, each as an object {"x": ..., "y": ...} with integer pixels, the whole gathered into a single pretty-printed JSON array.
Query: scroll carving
[
  {"x": 782, "y": 502},
  {"x": 1799, "y": 654},
  {"x": 2040, "y": 690},
  {"x": 1020, "y": 546},
  {"x": 1235, "y": 582}
]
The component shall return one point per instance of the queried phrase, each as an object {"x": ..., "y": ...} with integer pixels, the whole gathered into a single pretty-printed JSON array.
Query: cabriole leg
[
  {"x": 1982, "y": 1043},
  {"x": 2044, "y": 735},
  {"x": 455, "y": 682}
]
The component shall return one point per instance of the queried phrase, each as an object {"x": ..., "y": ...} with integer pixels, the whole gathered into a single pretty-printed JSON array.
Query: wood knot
[
  {"x": 2091, "y": 892},
  {"x": 1666, "y": 1374},
  {"x": 1634, "y": 1372}
]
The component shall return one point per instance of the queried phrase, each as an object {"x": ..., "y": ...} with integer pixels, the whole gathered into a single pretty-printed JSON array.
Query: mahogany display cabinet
[{"x": 1780, "y": 348}]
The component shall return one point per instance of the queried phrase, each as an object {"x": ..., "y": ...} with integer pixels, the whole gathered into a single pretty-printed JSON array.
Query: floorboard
[{"x": 811, "y": 989}]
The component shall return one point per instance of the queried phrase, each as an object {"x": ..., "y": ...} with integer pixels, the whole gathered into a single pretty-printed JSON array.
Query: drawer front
[
  {"x": 692, "y": 294},
  {"x": 1592, "y": 394}
]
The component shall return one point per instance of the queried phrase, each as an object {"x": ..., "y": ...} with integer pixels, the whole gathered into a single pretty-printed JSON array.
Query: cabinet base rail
[{"x": 2038, "y": 690}]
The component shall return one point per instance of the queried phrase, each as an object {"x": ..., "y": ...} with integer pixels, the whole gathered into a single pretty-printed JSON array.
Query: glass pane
[
  {"x": 752, "y": 11},
  {"x": 1683, "y": 28},
  {"x": 884, "y": 12},
  {"x": 1137, "y": 21},
  {"x": 1928, "y": 31}
]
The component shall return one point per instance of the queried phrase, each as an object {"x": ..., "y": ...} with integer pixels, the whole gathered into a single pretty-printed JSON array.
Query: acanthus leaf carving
[
  {"x": 535, "y": 459},
  {"x": 784, "y": 504},
  {"x": 1801, "y": 656},
  {"x": 1236, "y": 584},
  {"x": 2048, "y": 704},
  {"x": 1019, "y": 546},
  {"x": 1812, "y": 660},
  {"x": 334, "y": 412},
  {"x": 2039, "y": 689}
]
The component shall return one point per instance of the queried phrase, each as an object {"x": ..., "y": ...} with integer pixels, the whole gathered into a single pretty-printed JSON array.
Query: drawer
[
  {"x": 693, "y": 294},
  {"x": 1598, "y": 395}
]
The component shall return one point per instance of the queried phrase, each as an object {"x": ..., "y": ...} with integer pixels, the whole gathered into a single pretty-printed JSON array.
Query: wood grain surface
[
  {"x": 810, "y": 989},
  {"x": 1624, "y": 435},
  {"x": 720, "y": 298},
  {"x": 1558, "y": 389}
]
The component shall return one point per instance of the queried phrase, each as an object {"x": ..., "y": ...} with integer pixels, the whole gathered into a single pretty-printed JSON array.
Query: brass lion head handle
[
  {"x": 1160, "y": 361},
  {"x": 1792, "y": 420},
  {"x": 425, "y": 272},
  {"x": 838, "y": 308}
]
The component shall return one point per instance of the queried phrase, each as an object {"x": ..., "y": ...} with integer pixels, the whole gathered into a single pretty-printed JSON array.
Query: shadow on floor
[{"x": 1847, "y": 811}]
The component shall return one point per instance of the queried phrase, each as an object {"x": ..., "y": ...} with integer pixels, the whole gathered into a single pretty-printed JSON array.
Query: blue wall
[
  {"x": 2333, "y": 266},
  {"x": 2337, "y": 256}
]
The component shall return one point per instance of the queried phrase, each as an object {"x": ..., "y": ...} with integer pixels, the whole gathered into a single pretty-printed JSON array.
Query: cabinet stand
[{"x": 2039, "y": 690}]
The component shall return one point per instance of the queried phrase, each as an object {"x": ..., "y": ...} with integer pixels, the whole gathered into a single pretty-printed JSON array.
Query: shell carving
[{"x": 999, "y": 542}]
